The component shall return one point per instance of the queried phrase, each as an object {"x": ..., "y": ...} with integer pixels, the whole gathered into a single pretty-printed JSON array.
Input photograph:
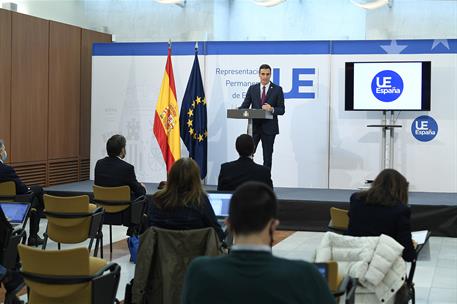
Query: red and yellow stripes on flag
[{"x": 166, "y": 118}]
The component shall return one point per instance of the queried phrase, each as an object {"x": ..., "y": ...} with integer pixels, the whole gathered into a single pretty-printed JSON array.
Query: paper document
[{"x": 419, "y": 236}]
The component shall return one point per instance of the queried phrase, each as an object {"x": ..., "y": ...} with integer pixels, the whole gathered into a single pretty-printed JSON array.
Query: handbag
[{"x": 133, "y": 243}]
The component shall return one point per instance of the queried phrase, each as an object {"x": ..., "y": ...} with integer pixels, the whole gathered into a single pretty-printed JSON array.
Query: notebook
[
  {"x": 220, "y": 203},
  {"x": 15, "y": 212}
]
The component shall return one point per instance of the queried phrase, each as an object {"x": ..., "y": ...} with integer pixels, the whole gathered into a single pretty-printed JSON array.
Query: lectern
[{"x": 249, "y": 114}]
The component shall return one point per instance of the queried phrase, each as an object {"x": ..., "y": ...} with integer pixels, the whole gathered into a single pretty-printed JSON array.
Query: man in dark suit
[
  {"x": 269, "y": 97},
  {"x": 244, "y": 169},
  {"x": 250, "y": 273},
  {"x": 7, "y": 173},
  {"x": 113, "y": 171}
]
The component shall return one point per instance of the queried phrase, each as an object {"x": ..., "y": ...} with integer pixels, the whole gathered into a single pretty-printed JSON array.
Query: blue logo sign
[
  {"x": 297, "y": 83},
  {"x": 387, "y": 86},
  {"x": 424, "y": 128}
]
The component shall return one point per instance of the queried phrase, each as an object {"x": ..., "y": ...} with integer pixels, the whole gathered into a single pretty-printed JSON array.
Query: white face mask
[{"x": 4, "y": 155}]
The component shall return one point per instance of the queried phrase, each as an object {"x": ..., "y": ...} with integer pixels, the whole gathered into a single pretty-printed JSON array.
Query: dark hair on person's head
[
  {"x": 183, "y": 186},
  {"x": 389, "y": 188},
  {"x": 245, "y": 145},
  {"x": 115, "y": 144},
  {"x": 265, "y": 66},
  {"x": 252, "y": 206}
]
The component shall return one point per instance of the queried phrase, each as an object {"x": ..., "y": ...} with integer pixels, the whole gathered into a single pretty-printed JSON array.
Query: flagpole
[{"x": 196, "y": 53}]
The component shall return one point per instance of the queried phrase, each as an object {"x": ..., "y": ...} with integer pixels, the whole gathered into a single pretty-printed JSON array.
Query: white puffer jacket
[{"x": 375, "y": 261}]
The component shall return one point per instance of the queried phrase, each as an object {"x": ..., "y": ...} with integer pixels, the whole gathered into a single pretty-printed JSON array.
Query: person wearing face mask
[
  {"x": 250, "y": 273},
  {"x": 113, "y": 171},
  {"x": 244, "y": 169},
  {"x": 269, "y": 97},
  {"x": 7, "y": 173}
]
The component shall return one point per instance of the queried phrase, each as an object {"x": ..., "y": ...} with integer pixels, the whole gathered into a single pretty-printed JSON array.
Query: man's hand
[{"x": 267, "y": 107}]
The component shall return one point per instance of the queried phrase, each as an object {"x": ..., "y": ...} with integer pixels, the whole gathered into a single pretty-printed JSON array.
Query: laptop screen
[
  {"x": 15, "y": 212},
  {"x": 322, "y": 267},
  {"x": 220, "y": 203}
]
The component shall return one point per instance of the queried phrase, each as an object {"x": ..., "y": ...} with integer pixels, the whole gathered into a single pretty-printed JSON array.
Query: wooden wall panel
[
  {"x": 5, "y": 75},
  {"x": 64, "y": 90},
  {"x": 87, "y": 39},
  {"x": 63, "y": 171},
  {"x": 33, "y": 173},
  {"x": 29, "y": 88}
]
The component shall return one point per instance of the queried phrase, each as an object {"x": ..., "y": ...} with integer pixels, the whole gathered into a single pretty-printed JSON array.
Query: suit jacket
[
  {"x": 114, "y": 172},
  {"x": 254, "y": 277},
  {"x": 275, "y": 98},
  {"x": 242, "y": 170},
  {"x": 7, "y": 173},
  {"x": 374, "y": 220}
]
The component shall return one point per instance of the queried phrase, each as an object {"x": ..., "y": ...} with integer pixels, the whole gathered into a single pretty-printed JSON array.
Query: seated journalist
[
  {"x": 383, "y": 209},
  {"x": 250, "y": 273},
  {"x": 182, "y": 203},
  {"x": 244, "y": 169}
]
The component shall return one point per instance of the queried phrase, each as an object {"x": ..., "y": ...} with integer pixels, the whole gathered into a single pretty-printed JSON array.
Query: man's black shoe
[{"x": 35, "y": 241}]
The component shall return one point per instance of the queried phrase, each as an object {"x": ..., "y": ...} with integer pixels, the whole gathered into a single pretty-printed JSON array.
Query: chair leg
[
  {"x": 90, "y": 244},
  {"x": 58, "y": 246},
  {"x": 45, "y": 241},
  {"x": 110, "y": 242},
  {"x": 98, "y": 243},
  {"x": 101, "y": 245},
  {"x": 413, "y": 294}
]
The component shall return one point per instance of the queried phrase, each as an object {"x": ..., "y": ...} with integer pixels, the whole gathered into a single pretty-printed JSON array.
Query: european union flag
[{"x": 192, "y": 118}]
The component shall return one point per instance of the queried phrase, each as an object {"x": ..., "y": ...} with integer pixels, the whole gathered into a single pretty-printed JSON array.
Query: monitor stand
[{"x": 387, "y": 156}]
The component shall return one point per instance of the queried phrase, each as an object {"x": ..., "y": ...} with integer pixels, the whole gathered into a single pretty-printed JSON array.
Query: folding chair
[
  {"x": 119, "y": 209},
  {"x": 72, "y": 220},
  {"x": 339, "y": 220},
  {"x": 68, "y": 276}
]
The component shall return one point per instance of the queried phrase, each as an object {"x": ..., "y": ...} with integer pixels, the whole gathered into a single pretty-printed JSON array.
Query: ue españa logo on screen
[
  {"x": 424, "y": 128},
  {"x": 387, "y": 86}
]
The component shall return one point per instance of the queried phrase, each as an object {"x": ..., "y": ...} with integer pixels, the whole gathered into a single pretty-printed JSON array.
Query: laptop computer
[
  {"x": 15, "y": 212},
  {"x": 220, "y": 203}
]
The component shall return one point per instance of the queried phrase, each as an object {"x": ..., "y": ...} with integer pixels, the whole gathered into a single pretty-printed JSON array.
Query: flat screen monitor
[{"x": 387, "y": 86}]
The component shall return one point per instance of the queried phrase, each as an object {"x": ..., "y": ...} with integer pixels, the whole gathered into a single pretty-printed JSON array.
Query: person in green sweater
[{"x": 250, "y": 273}]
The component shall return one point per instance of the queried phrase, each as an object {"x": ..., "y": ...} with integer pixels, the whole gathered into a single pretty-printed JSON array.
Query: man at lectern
[{"x": 269, "y": 97}]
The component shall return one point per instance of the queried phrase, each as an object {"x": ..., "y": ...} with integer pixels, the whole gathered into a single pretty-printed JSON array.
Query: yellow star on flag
[
  {"x": 199, "y": 100},
  {"x": 200, "y": 137},
  {"x": 189, "y": 123},
  {"x": 190, "y": 112}
]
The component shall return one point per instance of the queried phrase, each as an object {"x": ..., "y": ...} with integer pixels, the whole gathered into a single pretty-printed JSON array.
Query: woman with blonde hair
[
  {"x": 383, "y": 209},
  {"x": 182, "y": 203}
]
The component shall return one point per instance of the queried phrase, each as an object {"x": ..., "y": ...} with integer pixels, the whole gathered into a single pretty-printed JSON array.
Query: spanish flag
[{"x": 166, "y": 119}]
